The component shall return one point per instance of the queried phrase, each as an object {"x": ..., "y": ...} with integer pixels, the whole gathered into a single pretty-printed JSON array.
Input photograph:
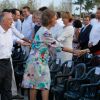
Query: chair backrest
[
  {"x": 54, "y": 65},
  {"x": 94, "y": 74},
  {"x": 18, "y": 53},
  {"x": 80, "y": 70},
  {"x": 91, "y": 91},
  {"x": 67, "y": 67}
]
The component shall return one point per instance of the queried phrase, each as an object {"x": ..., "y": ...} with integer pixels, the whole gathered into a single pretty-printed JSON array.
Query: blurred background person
[
  {"x": 93, "y": 19},
  {"x": 27, "y": 24},
  {"x": 94, "y": 37},
  {"x": 36, "y": 18},
  {"x": 77, "y": 24},
  {"x": 16, "y": 17},
  {"x": 85, "y": 33}
]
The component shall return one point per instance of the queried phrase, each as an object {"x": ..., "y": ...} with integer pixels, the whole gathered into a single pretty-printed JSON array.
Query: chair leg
[{"x": 28, "y": 94}]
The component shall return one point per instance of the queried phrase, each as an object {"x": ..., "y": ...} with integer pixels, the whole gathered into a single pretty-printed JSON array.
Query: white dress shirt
[
  {"x": 18, "y": 25},
  {"x": 59, "y": 21},
  {"x": 6, "y": 43},
  {"x": 95, "y": 33},
  {"x": 17, "y": 35},
  {"x": 27, "y": 27},
  {"x": 93, "y": 21},
  {"x": 56, "y": 30}
]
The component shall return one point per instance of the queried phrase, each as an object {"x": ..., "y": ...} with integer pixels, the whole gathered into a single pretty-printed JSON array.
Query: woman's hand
[
  {"x": 77, "y": 53},
  {"x": 25, "y": 43},
  {"x": 81, "y": 52}
]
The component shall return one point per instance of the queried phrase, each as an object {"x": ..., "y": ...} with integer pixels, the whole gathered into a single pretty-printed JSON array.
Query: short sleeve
[{"x": 49, "y": 40}]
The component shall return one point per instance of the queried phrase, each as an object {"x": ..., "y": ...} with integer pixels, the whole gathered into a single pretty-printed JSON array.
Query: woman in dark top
[{"x": 77, "y": 27}]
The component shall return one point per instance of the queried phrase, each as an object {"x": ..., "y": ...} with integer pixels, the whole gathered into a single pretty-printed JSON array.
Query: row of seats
[
  {"x": 73, "y": 80},
  {"x": 76, "y": 80}
]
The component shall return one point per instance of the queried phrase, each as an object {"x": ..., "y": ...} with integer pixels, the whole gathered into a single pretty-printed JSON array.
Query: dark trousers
[{"x": 5, "y": 79}]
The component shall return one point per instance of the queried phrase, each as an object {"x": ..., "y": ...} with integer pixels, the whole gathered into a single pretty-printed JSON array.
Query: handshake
[{"x": 80, "y": 52}]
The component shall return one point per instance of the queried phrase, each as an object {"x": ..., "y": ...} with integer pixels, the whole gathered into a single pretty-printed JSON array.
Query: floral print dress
[{"x": 37, "y": 73}]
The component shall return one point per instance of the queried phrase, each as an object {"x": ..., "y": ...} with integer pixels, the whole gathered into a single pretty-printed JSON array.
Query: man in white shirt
[
  {"x": 93, "y": 19},
  {"x": 95, "y": 32},
  {"x": 6, "y": 44},
  {"x": 16, "y": 18},
  {"x": 19, "y": 37},
  {"x": 27, "y": 25}
]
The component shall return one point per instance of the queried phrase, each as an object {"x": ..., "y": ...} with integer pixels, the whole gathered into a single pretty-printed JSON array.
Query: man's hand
[
  {"x": 25, "y": 44},
  {"x": 77, "y": 53},
  {"x": 26, "y": 40}
]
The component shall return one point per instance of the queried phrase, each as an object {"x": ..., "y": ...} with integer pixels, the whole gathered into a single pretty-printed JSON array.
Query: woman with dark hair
[
  {"x": 37, "y": 74},
  {"x": 77, "y": 24}
]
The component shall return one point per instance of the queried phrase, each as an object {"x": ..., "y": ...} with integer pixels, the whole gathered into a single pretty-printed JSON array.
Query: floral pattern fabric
[{"x": 37, "y": 74}]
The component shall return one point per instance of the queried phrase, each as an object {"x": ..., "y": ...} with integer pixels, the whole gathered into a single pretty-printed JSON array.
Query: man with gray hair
[{"x": 6, "y": 44}]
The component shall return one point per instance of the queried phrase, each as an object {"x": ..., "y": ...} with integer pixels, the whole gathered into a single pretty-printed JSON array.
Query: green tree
[
  {"x": 32, "y": 4},
  {"x": 21, "y": 4},
  {"x": 96, "y": 2},
  {"x": 80, "y": 3},
  {"x": 51, "y": 6},
  {"x": 89, "y": 5},
  {"x": 6, "y": 4}
]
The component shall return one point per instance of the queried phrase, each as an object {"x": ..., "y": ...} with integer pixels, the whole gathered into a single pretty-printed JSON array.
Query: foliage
[
  {"x": 32, "y": 4},
  {"x": 6, "y": 4},
  {"x": 51, "y": 6},
  {"x": 89, "y": 5},
  {"x": 96, "y": 2}
]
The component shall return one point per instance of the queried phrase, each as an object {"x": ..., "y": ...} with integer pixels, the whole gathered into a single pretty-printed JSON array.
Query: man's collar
[
  {"x": 2, "y": 30},
  {"x": 87, "y": 25}
]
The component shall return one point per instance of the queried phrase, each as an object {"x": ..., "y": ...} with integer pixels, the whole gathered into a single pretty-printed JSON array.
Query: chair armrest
[
  {"x": 75, "y": 82},
  {"x": 92, "y": 88},
  {"x": 60, "y": 76}
]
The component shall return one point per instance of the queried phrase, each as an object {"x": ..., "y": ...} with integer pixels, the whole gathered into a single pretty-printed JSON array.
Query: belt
[{"x": 7, "y": 59}]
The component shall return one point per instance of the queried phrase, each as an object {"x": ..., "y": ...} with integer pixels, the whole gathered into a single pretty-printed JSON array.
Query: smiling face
[
  {"x": 26, "y": 12},
  {"x": 36, "y": 17},
  {"x": 65, "y": 21},
  {"x": 7, "y": 20},
  {"x": 17, "y": 15},
  {"x": 66, "y": 18}
]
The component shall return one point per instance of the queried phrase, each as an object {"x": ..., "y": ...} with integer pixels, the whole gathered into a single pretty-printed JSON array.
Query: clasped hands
[{"x": 80, "y": 52}]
